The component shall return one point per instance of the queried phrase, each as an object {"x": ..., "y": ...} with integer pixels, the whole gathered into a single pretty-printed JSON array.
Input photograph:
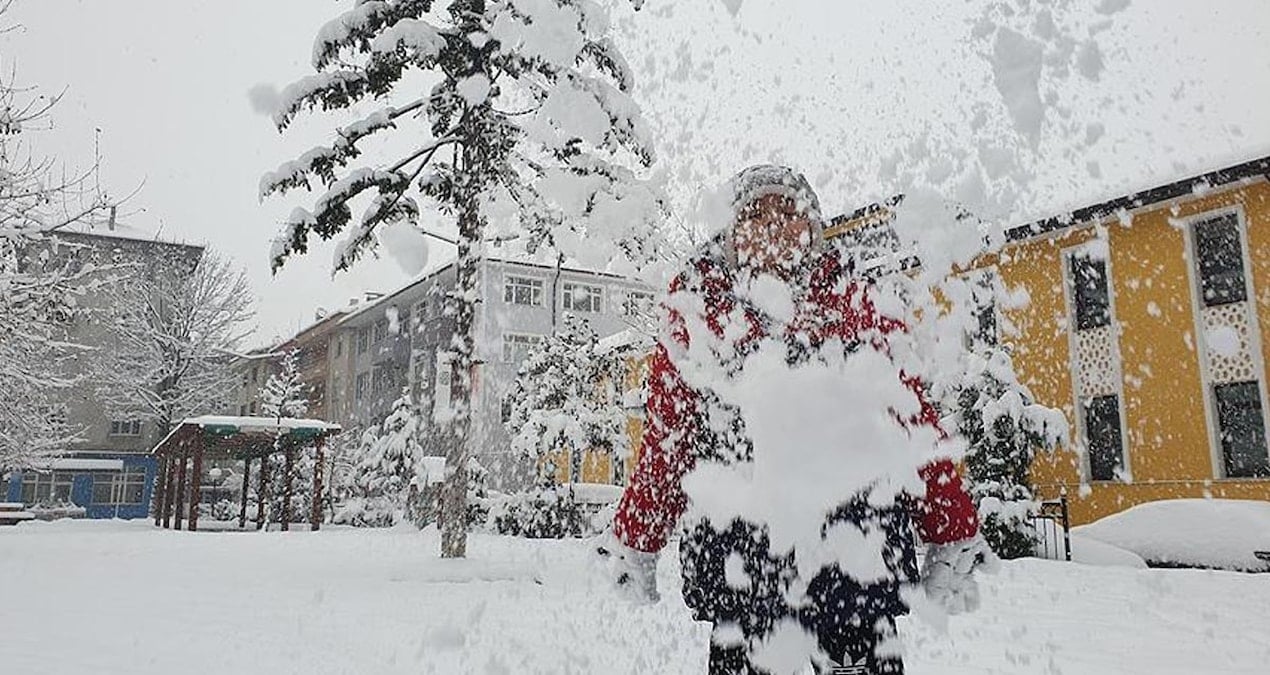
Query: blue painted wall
[{"x": 82, "y": 488}]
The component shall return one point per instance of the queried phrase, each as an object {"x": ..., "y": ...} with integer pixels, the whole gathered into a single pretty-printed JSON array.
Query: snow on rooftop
[
  {"x": 260, "y": 422},
  {"x": 625, "y": 338},
  {"x": 78, "y": 464},
  {"x": 119, "y": 231}
]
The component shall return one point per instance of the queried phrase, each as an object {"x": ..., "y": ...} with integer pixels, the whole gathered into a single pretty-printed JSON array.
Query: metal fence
[{"x": 1053, "y": 530}]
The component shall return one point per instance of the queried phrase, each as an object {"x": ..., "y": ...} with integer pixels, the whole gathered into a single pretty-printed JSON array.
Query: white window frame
[
  {"x": 630, "y": 307},
  {"x": 1187, "y": 225},
  {"x": 515, "y": 282},
  {"x": 120, "y": 481},
  {"x": 594, "y": 294},
  {"x": 1069, "y": 302},
  {"x": 513, "y": 340}
]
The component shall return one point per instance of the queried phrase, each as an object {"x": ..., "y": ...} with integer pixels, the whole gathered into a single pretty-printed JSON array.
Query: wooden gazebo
[{"x": 182, "y": 452}]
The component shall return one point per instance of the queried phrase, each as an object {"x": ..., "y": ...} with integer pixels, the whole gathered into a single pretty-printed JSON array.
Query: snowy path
[{"x": 123, "y": 597}]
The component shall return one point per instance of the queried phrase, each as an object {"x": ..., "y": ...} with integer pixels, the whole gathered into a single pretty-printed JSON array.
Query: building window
[
  {"x": 1242, "y": 430},
  {"x": 1090, "y": 291},
  {"x": 242, "y": 410},
  {"x": 381, "y": 331},
  {"x": 637, "y": 303},
  {"x": 359, "y": 388},
  {"x": 379, "y": 380},
  {"x": 438, "y": 304},
  {"x": 363, "y": 340},
  {"x": 339, "y": 347},
  {"x": 403, "y": 322},
  {"x": 582, "y": 298},
  {"x": 125, "y": 427},
  {"x": 46, "y": 488},
  {"x": 255, "y": 373},
  {"x": 1220, "y": 258},
  {"x": 1103, "y": 438},
  {"x": 126, "y": 487},
  {"x": 516, "y": 346},
  {"x": 522, "y": 291},
  {"x": 253, "y": 408}
]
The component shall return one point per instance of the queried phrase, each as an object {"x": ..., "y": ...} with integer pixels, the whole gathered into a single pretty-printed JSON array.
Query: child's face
[{"x": 772, "y": 235}]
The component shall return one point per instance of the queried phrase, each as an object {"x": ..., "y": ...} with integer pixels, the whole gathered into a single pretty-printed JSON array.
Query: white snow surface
[
  {"x": 381, "y": 601},
  {"x": 1217, "y": 533}
]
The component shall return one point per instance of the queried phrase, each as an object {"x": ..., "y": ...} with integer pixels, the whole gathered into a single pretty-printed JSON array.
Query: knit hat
[{"x": 769, "y": 179}]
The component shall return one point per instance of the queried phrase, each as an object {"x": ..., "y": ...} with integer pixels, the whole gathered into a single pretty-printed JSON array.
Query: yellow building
[
  {"x": 1147, "y": 324},
  {"x": 629, "y": 356}
]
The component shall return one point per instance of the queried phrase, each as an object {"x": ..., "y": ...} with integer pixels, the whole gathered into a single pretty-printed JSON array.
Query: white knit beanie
[{"x": 769, "y": 179}]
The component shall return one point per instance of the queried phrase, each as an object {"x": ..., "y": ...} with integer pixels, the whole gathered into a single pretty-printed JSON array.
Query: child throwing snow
[{"x": 741, "y": 572}]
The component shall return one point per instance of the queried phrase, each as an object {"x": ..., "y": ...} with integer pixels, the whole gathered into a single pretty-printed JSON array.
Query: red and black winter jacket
[{"x": 832, "y": 307}]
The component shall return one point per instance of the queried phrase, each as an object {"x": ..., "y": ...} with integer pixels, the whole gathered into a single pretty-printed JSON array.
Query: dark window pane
[
  {"x": 1242, "y": 430},
  {"x": 102, "y": 488},
  {"x": 1090, "y": 292},
  {"x": 1220, "y": 260},
  {"x": 986, "y": 329},
  {"x": 1102, "y": 433}
]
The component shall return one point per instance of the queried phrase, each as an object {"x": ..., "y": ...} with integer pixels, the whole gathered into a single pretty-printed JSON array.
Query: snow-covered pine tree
[
  {"x": 557, "y": 405},
  {"x": 386, "y": 461},
  {"x": 522, "y": 130},
  {"x": 1003, "y": 427},
  {"x": 285, "y": 394}
]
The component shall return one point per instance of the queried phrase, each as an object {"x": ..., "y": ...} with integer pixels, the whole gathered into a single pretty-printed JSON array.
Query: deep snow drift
[{"x": 123, "y": 597}]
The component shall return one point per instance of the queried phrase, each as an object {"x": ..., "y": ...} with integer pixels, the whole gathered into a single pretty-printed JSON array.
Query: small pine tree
[
  {"x": 285, "y": 396},
  {"x": 557, "y": 404},
  {"x": 285, "y": 393},
  {"x": 1004, "y": 427},
  {"x": 387, "y": 461}
]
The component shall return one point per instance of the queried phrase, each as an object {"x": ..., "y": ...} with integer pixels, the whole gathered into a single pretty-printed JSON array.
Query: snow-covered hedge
[
  {"x": 1209, "y": 533},
  {"x": 551, "y": 513}
]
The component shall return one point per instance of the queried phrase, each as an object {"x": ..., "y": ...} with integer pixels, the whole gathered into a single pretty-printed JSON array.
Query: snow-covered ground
[{"x": 123, "y": 597}]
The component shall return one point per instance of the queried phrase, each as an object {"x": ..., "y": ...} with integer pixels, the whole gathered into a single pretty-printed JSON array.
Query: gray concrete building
[
  {"x": 108, "y": 471},
  {"x": 398, "y": 341}
]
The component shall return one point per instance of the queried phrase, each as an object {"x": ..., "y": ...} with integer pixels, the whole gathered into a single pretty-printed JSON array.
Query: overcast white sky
[{"x": 830, "y": 86}]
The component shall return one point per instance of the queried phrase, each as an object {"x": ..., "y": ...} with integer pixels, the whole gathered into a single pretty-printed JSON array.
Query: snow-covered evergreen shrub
[
  {"x": 547, "y": 513},
  {"x": 557, "y": 404},
  {"x": 386, "y": 463},
  {"x": 1003, "y": 427}
]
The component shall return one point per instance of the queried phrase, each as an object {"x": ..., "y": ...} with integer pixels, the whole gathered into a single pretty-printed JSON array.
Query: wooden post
[
  {"x": 261, "y": 492},
  {"x": 242, "y": 508},
  {"x": 287, "y": 486},
  {"x": 160, "y": 498},
  {"x": 180, "y": 489},
  {"x": 169, "y": 490},
  {"x": 196, "y": 481},
  {"x": 315, "y": 518}
]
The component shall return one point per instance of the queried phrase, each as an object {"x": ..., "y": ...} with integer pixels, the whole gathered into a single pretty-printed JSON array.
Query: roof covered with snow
[{"x": 119, "y": 231}]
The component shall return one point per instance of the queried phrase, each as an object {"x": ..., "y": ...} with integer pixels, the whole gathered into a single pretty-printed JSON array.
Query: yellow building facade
[{"x": 1149, "y": 326}]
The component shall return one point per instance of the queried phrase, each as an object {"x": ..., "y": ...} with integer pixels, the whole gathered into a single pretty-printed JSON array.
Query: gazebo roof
[{"x": 242, "y": 437}]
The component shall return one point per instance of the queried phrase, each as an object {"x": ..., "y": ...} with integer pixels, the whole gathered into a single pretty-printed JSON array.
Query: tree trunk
[
  {"x": 473, "y": 177},
  {"x": 454, "y": 503}
]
